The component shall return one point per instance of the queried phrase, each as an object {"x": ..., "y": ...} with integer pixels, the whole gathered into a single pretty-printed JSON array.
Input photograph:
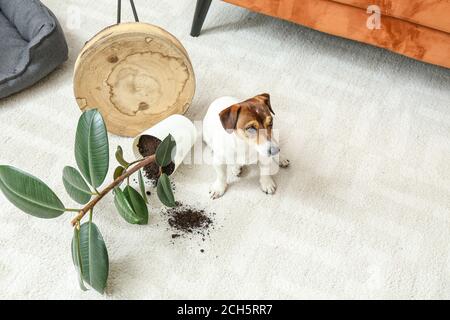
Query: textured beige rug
[{"x": 364, "y": 211}]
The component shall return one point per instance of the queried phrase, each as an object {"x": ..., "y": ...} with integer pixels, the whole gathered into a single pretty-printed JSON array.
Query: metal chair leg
[{"x": 201, "y": 10}]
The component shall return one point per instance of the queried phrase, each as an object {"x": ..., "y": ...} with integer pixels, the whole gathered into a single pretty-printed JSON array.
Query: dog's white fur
[{"x": 230, "y": 150}]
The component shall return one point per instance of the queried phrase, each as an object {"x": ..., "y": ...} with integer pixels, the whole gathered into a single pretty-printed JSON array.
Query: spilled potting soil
[
  {"x": 186, "y": 221},
  {"x": 147, "y": 146}
]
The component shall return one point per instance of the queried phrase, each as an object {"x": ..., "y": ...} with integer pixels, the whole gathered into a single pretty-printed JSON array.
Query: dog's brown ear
[
  {"x": 229, "y": 117},
  {"x": 266, "y": 98}
]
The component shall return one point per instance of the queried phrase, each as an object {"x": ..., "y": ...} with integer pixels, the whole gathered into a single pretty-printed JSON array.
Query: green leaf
[
  {"x": 75, "y": 185},
  {"x": 29, "y": 194},
  {"x": 164, "y": 191},
  {"x": 91, "y": 147},
  {"x": 94, "y": 257},
  {"x": 165, "y": 150},
  {"x": 76, "y": 257},
  {"x": 118, "y": 172},
  {"x": 124, "y": 207},
  {"x": 119, "y": 157},
  {"x": 142, "y": 186},
  {"x": 138, "y": 204}
]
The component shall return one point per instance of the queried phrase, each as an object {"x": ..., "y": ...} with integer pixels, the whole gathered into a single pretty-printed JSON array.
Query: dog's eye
[{"x": 251, "y": 130}]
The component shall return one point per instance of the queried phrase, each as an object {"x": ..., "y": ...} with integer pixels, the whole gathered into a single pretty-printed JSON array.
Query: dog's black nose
[{"x": 274, "y": 150}]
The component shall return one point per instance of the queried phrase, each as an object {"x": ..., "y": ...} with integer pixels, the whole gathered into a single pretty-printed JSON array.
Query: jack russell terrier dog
[{"x": 240, "y": 133}]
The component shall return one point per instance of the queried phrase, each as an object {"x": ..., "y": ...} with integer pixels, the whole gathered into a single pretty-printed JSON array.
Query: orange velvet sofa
[{"x": 419, "y": 29}]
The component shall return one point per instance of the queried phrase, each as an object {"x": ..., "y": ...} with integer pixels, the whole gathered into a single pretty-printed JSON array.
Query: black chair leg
[{"x": 201, "y": 10}]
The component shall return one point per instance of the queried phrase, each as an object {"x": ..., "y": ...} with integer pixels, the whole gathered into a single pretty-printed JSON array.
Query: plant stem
[
  {"x": 72, "y": 210},
  {"x": 111, "y": 187},
  {"x": 134, "y": 162}
]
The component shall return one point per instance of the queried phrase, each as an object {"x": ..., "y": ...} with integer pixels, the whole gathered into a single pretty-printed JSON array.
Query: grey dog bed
[{"x": 32, "y": 44}]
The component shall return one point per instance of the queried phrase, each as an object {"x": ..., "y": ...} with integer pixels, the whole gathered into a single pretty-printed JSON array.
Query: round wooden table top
[{"x": 136, "y": 75}]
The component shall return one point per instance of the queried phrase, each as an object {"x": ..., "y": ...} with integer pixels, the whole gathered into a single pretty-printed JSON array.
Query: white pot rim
[{"x": 182, "y": 130}]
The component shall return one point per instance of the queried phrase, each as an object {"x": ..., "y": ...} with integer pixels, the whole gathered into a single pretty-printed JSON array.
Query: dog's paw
[
  {"x": 236, "y": 171},
  {"x": 268, "y": 186},
  {"x": 217, "y": 189},
  {"x": 284, "y": 163}
]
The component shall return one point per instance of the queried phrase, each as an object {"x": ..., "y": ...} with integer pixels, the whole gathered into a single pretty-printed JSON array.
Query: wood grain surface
[{"x": 136, "y": 74}]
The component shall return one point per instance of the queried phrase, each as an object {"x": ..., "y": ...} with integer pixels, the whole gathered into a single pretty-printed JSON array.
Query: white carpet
[{"x": 364, "y": 211}]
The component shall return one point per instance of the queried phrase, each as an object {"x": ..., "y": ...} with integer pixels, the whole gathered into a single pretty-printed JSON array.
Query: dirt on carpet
[{"x": 186, "y": 220}]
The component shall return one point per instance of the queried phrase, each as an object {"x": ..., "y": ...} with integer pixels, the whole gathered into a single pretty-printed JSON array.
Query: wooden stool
[{"x": 136, "y": 75}]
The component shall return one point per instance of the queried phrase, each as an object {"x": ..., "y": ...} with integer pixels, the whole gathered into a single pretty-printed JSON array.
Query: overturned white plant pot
[{"x": 182, "y": 130}]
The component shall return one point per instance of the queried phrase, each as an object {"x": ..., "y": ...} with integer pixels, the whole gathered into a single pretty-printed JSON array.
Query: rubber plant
[{"x": 34, "y": 197}]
